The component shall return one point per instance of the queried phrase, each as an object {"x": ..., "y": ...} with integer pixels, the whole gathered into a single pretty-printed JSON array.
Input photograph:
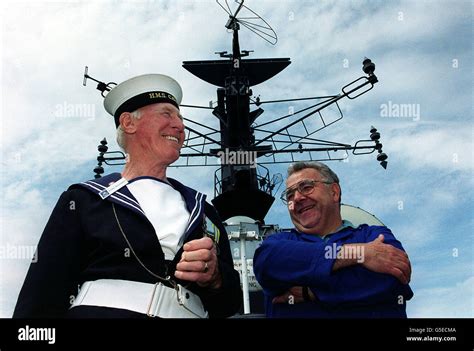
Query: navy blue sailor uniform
[{"x": 82, "y": 242}]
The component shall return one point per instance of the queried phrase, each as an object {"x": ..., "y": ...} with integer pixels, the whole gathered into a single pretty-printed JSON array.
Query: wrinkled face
[
  {"x": 160, "y": 131},
  {"x": 316, "y": 212}
]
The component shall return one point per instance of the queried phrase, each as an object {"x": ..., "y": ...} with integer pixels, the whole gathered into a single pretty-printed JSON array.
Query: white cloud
[
  {"x": 13, "y": 273},
  {"x": 454, "y": 301},
  {"x": 20, "y": 231},
  {"x": 448, "y": 148}
]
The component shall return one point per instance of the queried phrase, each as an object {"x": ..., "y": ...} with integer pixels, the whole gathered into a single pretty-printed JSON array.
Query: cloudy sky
[{"x": 51, "y": 124}]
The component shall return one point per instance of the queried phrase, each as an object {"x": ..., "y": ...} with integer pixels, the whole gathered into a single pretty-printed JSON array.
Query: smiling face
[
  {"x": 316, "y": 213},
  {"x": 158, "y": 133}
]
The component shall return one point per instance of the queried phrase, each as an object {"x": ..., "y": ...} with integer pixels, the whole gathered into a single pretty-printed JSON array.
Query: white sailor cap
[{"x": 140, "y": 91}]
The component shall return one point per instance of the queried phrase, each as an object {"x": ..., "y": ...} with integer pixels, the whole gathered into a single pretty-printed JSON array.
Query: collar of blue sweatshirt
[{"x": 345, "y": 224}]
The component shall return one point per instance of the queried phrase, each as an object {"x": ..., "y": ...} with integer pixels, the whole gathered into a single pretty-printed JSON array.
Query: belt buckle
[
  {"x": 187, "y": 300},
  {"x": 150, "y": 304}
]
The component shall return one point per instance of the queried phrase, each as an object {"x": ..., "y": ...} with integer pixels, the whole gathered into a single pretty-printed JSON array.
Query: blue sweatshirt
[{"x": 292, "y": 258}]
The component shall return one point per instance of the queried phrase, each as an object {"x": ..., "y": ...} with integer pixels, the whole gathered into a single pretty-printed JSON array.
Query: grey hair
[
  {"x": 121, "y": 134},
  {"x": 326, "y": 172}
]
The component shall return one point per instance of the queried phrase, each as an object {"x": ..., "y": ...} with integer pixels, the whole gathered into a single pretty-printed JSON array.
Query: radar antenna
[
  {"x": 101, "y": 86},
  {"x": 249, "y": 19}
]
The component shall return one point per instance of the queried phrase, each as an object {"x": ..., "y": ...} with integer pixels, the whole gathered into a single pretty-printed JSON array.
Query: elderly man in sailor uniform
[{"x": 138, "y": 243}]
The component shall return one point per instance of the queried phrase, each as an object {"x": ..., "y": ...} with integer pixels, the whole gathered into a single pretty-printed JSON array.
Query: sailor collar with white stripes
[{"x": 115, "y": 186}]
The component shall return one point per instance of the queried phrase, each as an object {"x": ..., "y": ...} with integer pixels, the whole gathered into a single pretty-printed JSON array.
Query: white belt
[{"x": 155, "y": 300}]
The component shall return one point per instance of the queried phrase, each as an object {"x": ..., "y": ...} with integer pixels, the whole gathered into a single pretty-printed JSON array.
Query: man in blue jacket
[
  {"x": 136, "y": 243},
  {"x": 326, "y": 267}
]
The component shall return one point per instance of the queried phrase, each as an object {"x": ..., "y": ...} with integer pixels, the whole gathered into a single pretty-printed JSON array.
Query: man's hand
[
  {"x": 293, "y": 295},
  {"x": 384, "y": 258},
  {"x": 199, "y": 264},
  {"x": 377, "y": 257}
]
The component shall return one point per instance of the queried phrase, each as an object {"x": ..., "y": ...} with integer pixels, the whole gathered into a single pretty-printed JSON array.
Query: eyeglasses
[{"x": 305, "y": 187}]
